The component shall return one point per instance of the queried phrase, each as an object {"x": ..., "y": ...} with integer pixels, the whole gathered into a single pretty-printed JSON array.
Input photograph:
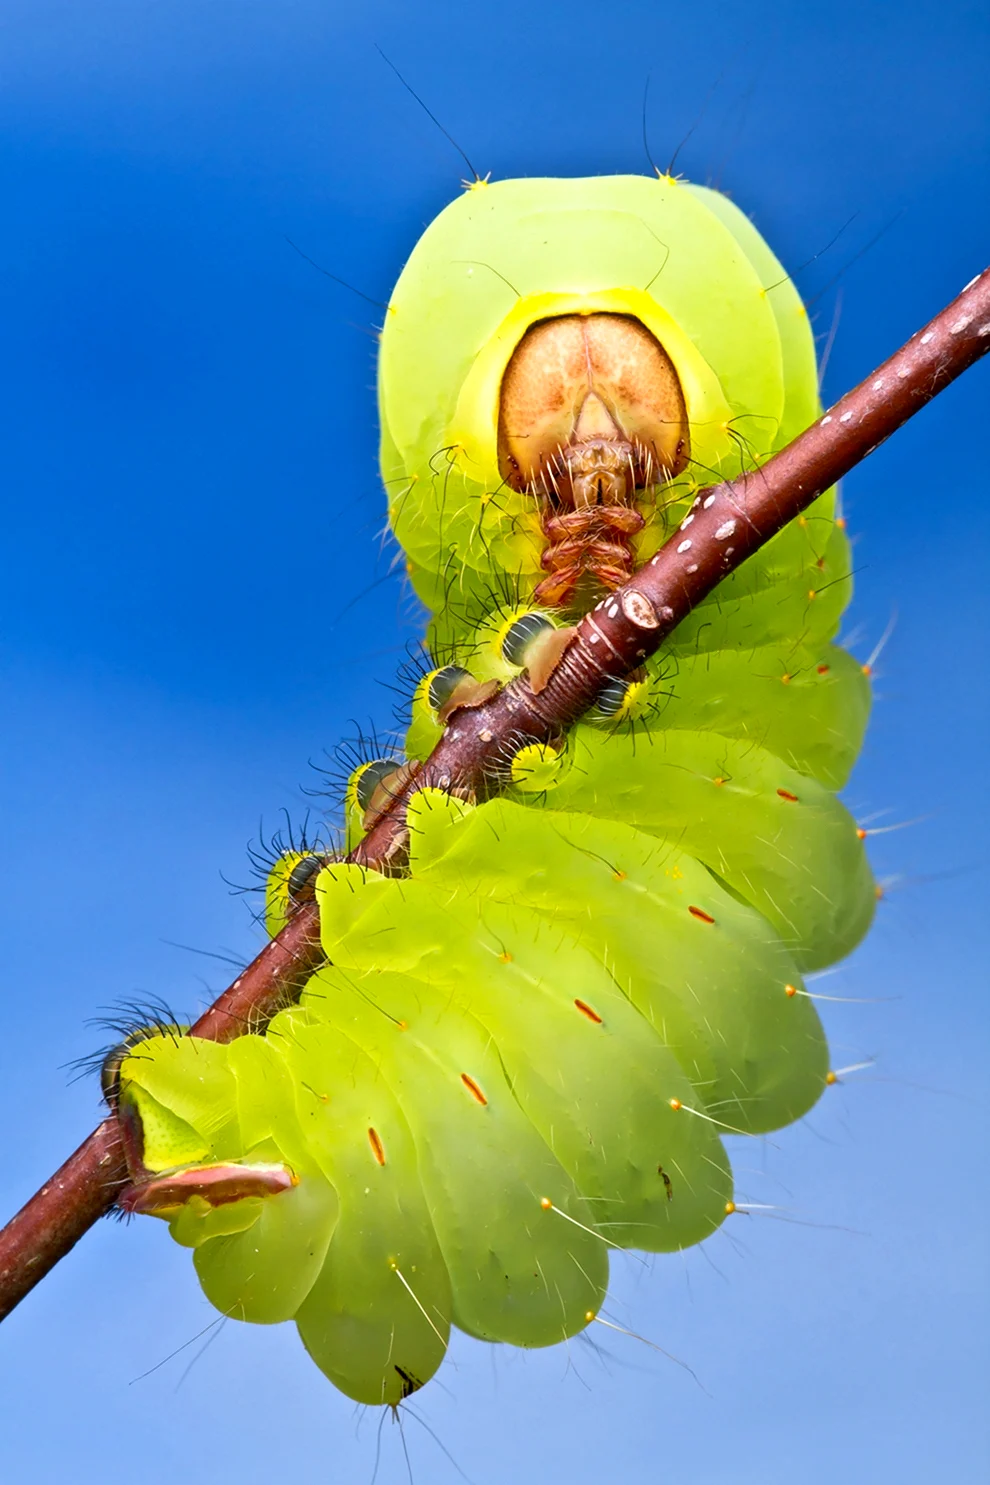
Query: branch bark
[{"x": 728, "y": 523}]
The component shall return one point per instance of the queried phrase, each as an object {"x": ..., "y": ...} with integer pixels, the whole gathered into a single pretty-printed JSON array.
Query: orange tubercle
[
  {"x": 586, "y": 1010},
  {"x": 473, "y": 1088}
]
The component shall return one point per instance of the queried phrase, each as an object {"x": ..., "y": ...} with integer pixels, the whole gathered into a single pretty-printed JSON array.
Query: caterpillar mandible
[{"x": 523, "y": 1051}]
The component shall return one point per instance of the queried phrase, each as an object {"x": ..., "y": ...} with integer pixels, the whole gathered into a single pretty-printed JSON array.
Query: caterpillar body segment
[
  {"x": 778, "y": 839},
  {"x": 593, "y": 1078},
  {"x": 751, "y": 1053},
  {"x": 806, "y": 704},
  {"x": 524, "y": 1053},
  {"x": 515, "y": 1277},
  {"x": 376, "y": 1337}
]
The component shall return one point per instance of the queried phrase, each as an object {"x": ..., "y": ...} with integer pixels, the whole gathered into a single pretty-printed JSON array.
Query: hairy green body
[{"x": 524, "y": 1052}]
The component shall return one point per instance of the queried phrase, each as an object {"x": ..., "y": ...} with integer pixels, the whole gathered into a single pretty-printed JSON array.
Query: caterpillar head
[{"x": 557, "y": 377}]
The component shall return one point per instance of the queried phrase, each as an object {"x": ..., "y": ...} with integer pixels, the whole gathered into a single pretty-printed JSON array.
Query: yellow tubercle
[{"x": 536, "y": 768}]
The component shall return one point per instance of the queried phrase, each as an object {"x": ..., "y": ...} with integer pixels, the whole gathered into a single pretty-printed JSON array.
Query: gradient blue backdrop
[{"x": 195, "y": 602}]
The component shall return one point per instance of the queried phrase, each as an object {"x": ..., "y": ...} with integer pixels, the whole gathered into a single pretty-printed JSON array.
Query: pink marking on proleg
[{"x": 216, "y": 1184}]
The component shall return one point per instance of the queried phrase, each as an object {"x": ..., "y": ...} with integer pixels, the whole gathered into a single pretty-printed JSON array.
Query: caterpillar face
[
  {"x": 587, "y": 391},
  {"x": 556, "y": 379},
  {"x": 590, "y": 412},
  {"x": 523, "y": 1053}
]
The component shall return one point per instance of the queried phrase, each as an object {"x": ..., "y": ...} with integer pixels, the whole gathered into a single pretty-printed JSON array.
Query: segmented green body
[{"x": 525, "y": 1051}]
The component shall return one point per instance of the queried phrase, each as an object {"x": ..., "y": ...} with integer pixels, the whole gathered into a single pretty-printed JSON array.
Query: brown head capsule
[{"x": 591, "y": 411}]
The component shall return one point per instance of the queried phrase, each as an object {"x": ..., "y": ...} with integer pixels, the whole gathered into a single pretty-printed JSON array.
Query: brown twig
[{"x": 728, "y": 523}]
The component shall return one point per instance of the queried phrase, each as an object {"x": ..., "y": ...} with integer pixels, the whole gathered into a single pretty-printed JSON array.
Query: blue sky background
[{"x": 194, "y": 604}]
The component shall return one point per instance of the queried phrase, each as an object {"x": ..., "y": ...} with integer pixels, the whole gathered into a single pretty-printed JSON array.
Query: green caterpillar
[{"x": 524, "y": 1051}]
